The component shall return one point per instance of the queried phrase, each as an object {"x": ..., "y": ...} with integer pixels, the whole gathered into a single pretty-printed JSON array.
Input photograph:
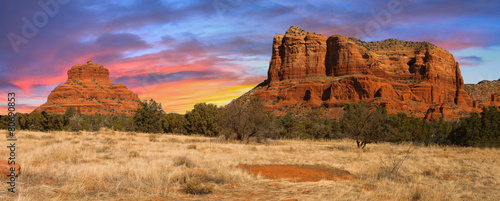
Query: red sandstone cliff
[
  {"x": 418, "y": 78},
  {"x": 89, "y": 89}
]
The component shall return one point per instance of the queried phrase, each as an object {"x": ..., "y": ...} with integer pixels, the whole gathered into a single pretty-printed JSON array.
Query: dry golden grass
[{"x": 108, "y": 165}]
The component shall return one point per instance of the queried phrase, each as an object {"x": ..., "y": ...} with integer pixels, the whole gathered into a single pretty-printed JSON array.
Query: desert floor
[{"x": 109, "y": 165}]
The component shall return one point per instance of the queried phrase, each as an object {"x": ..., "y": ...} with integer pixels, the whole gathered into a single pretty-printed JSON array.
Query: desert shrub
[
  {"x": 441, "y": 131},
  {"x": 389, "y": 168},
  {"x": 300, "y": 127},
  {"x": 4, "y": 121},
  {"x": 174, "y": 123},
  {"x": 410, "y": 129},
  {"x": 203, "y": 119},
  {"x": 402, "y": 123},
  {"x": 366, "y": 125},
  {"x": 76, "y": 123},
  {"x": 419, "y": 131},
  {"x": 245, "y": 120},
  {"x": 92, "y": 122},
  {"x": 147, "y": 118},
  {"x": 198, "y": 182},
  {"x": 334, "y": 127},
  {"x": 291, "y": 127},
  {"x": 428, "y": 172},
  {"x": 197, "y": 186},
  {"x": 53, "y": 121},
  {"x": 316, "y": 128},
  {"x": 133, "y": 154},
  {"x": 118, "y": 123},
  {"x": 482, "y": 130},
  {"x": 36, "y": 121},
  {"x": 183, "y": 161}
]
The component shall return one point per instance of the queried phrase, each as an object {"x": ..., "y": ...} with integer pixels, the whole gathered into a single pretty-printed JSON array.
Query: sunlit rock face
[
  {"x": 89, "y": 89},
  {"x": 417, "y": 78}
]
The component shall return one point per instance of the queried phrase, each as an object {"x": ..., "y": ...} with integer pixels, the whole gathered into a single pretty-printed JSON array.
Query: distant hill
[{"x": 484, "y": 93}]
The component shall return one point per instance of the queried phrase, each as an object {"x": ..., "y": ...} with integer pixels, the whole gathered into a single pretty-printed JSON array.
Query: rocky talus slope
[{"x": 485, "y": 93}]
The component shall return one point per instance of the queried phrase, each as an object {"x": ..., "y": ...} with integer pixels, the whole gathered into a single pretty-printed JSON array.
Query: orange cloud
[
  {"x": 30, "y": 81},
  {"x": 19, "y": 108}
]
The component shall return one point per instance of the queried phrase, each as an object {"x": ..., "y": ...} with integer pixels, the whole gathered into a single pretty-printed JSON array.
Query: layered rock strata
[
  {"x": 89, "y": 89},
  {"x": 417, "y": 78}
]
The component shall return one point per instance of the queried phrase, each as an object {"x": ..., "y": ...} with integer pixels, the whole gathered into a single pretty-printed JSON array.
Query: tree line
[{"x": 247, "y": 121}]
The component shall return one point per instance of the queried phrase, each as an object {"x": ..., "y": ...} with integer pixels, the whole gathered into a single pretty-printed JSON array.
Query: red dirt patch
[
  {"x": 367, "y": 188},
  {"x": 303, "y": 173},
  {"x": 47, "y": 181}
]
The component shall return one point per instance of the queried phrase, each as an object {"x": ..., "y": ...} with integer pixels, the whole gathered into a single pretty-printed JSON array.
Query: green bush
[
  {"x": 291, "y": 127},
  {"x": 481, "y": 130},
  {"x": 174, "y": 123},
  {"x": 147, "y": 118},
  {"x": 245, "y": 120},
  {"x": 366, "y": 125},
  {"x": 203, "y": 119}
]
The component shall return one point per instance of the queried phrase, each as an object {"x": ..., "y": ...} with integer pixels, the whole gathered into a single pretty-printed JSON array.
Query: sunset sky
[{"x": 184, "y": 52}]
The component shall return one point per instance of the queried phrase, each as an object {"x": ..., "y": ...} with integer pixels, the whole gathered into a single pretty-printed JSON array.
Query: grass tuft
[{"x": 183, "y": 161}]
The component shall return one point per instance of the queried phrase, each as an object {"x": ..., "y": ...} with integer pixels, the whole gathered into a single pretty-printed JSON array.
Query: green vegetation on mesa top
[
  {"x": 247, "y": 121},
  {"x": 392, "y": 44}
]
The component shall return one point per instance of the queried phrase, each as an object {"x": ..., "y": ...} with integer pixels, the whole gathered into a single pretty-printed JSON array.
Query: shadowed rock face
[
  {"x": 417, "y": 78},
  {"x": 89, "y": 89}
]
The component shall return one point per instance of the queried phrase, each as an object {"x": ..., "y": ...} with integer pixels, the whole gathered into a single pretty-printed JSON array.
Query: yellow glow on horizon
[{"x": 181, "y": 96}]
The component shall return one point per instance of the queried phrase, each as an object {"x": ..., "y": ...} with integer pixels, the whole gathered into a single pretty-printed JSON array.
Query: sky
[{"x": 181, "y": 52}]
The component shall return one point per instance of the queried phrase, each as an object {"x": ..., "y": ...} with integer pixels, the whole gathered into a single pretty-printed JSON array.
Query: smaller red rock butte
[
  {"x": 89, "y": 89},
  {"x": 308, "y": 69}
]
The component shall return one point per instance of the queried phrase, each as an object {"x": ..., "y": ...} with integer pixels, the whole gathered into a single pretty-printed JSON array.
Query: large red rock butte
[
  {"x": 308, "y": 70},
  {"x": 89, "y": 89}
]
